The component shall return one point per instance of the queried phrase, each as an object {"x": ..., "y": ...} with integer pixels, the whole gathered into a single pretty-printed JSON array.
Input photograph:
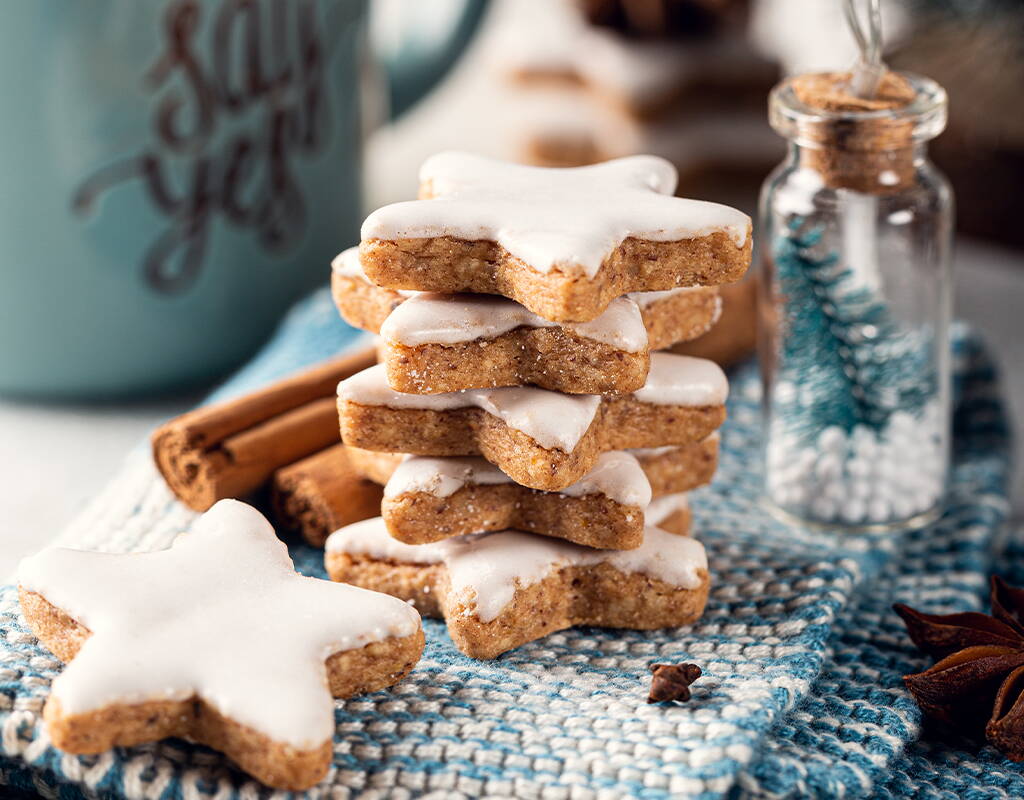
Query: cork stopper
[{"x": 861, "y": 143}]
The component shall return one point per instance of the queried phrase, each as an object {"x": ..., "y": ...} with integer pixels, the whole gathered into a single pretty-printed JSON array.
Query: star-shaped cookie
[
  {"x": 216, "y": 639},
  {"x": 499, "y": 590},
  {"x": 563, "y": 242}
]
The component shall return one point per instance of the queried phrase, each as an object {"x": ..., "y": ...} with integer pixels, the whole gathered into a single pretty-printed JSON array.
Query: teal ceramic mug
[{"x": 174, "y": 174}]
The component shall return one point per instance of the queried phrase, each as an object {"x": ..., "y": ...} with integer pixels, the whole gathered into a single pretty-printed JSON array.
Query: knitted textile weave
[{"x": 802, "y": 656}]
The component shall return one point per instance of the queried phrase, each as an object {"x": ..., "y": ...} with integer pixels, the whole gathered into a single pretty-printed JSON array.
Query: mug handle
[{"x": 411, "y": 75}]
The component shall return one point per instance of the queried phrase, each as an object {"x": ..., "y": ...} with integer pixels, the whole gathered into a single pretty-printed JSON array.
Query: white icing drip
[
  {"x": 663, "y": 507},
  {"x": 222, "y": 615},
  {"x": 617, "y": 475},
  {"x": 486, "y": 569},
  {"x": 347, "y": 263},
  {"x": 676, "y": 380},
  {"x": 567, "y": 218},
  {"x": 449, "y": 319},
  {"x": 370, "y": 538},
  {"x": 717, "y": 314},
  {"x": 652, "y": 452},
  {"x": 644, "y": 299},
  {"x": 552, "y": 419}
]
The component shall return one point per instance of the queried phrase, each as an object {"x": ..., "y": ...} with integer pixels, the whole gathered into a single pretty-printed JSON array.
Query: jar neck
[
  {"x": 871, "y": 145},
  {"x": 879, "y": 171}
]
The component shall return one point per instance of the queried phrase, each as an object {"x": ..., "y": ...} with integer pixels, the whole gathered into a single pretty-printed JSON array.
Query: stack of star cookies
[
  {"x": 535, "y": 443},
  {"x": 596, "y": 79}
]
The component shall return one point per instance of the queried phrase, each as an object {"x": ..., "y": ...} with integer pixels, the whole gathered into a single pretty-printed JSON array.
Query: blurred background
[{"x": 177, "y": 173}]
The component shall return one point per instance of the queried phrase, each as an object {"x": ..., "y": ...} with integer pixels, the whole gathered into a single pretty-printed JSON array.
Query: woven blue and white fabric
[{"x": 802, "y": 657}]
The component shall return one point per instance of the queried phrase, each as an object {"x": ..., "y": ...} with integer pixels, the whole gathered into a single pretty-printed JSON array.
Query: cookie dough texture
[
  {"x": 375, "y": 666},
  {"x": 578, "y": 595},
  {"x": 551, "y": 358},
  {"x": 620, "y": 424},
  {"x": 680, "y": 468},
  {"x": 734, "y": 337},
  {"x": 592, "y": 520},
  {"x": 447, "y": 264}
]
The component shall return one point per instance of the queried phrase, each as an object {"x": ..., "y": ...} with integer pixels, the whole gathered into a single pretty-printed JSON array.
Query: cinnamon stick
[
  {"x": 322, "y": 493},
  {"x": 232, "y": 448}
]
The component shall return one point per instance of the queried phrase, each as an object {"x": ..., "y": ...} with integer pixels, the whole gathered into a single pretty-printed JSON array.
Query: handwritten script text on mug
[{"x": 266, "y": 62}]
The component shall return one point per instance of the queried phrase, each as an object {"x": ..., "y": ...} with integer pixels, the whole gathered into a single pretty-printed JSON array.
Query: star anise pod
[
  {"x": 979, "y": 679},
  {"x": 672, "y": 682}
]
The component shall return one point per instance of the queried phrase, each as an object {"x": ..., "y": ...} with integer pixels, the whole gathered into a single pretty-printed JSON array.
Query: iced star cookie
[
  {"x": 427, "y": 499},
  {"x": 433, "y": 343},
  {"x": 562, "y": 242},
  {"x": 669, "y": 469},
  {"x": 541, "y": 439},
  {"x": 430, "y": 499},
  {"x": 669, "y": 317},
  {"x": 497, "y": 591},
  {"x": 217, "y": 639}
]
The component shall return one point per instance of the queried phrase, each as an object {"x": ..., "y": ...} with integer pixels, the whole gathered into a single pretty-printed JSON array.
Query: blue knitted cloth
[{"x": 802, "y": 656}]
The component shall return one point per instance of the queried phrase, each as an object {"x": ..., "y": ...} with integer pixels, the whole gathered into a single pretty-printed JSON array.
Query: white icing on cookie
[
  {"x": 654, "y": 452},
  {"x": 676, "y": 380},
  {"x": 663, "y": 507},
  {"x": 223, "y": 615},
  {"x": 452, "y": 318},
  {"x": 485, "y": 569},
  {"x": 644, "y": 299},
  {"x": 442, "y": 476},
  {"x": 617, "y": 475},
  {"x": 347, "y": 263},
  {"x": 370, "y": 538},
  {"x": 569, "y": 218},
  {"x": 552, "y": 419}
]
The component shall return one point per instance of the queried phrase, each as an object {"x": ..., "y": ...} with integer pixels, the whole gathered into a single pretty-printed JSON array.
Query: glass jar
[{"x": 854, "y": 312}]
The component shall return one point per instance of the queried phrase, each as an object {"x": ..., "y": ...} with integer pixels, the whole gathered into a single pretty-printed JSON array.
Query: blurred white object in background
[
  {"x": 395, "y": 24},
  {"x": 811, "y": 35}
]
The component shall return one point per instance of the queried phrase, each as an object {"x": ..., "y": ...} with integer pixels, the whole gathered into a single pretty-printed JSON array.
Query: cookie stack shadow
[{"x": 534, "y": 439}]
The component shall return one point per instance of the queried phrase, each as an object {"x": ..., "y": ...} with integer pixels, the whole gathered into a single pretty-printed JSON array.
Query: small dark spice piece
[
  {"x": 979, "y": 679},
  {"x": 672, "y": 682}
]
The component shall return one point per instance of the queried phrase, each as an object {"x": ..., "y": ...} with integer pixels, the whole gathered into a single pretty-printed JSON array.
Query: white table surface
[{"x": 53, "y": 458}]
